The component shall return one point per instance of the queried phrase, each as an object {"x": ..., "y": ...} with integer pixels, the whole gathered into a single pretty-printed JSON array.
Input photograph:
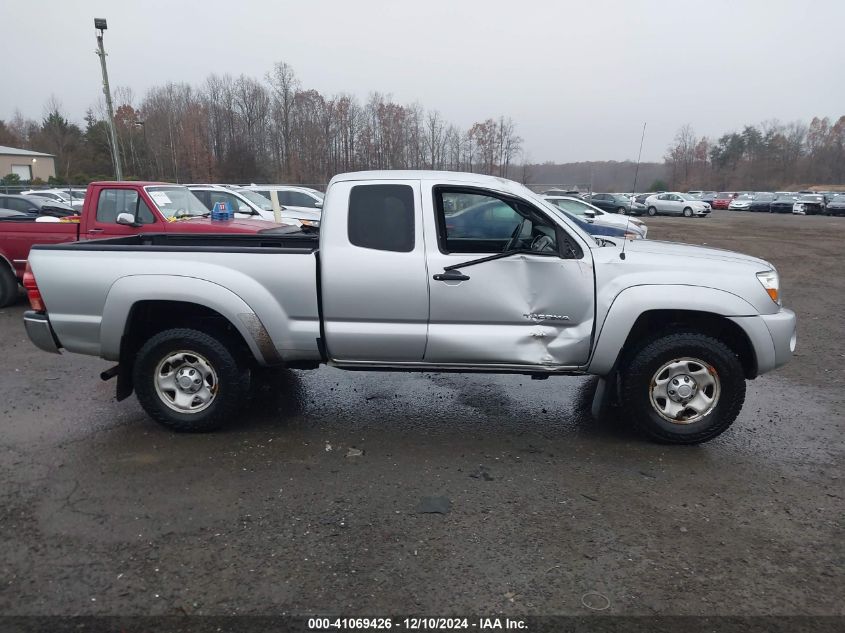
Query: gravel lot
[{"x": 310, "y": 503}]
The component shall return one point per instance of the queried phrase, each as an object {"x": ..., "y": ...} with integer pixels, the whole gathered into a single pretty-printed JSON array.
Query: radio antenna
[{"x": 633, "y": 193}]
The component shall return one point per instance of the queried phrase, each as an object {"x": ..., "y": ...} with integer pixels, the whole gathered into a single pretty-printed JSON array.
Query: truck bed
[
  {"x": 90, "y": 288},
  {"x": 288, "y": 239}
]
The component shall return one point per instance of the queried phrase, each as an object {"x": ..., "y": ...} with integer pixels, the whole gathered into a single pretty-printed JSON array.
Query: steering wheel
[
  {"x": 542, "y": 243},
  {"x": 514, "y": 237}
]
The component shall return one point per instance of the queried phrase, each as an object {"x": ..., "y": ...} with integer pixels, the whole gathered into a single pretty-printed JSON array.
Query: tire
[
  {"x": 652, "y": 211},
  {"x": 8, "y": 286},
  {"x": 687, "y": 212},
  {"x": 621, "y": 210},
  {"x": 698, "y": 355},
  {"x": 212, "y": 397}
]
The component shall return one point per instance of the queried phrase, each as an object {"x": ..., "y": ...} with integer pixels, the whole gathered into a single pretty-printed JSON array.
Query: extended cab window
[
  {"x": 381, "y": 217},
  {"x": 484, "y": 223},
  {"x": 113, "y": 202}
]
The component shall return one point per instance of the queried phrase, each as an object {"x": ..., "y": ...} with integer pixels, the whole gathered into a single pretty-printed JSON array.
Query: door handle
[
  {"x": 95, "y": 230},
  {"x": 450, "y": 275}
]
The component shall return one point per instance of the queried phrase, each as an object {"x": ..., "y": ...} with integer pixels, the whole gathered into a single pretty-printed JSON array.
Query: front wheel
[
  {"x": 621, "y": 210},
  {"x": 687, "y": 212},
  {"x": 652, "y": 211},
  {"x": 683, "y": 388},
  {"x": 189, "y": 380}
]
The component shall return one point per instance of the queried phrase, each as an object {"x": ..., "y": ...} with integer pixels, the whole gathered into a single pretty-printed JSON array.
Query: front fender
[
  {"x": 127, "y": 291},
  {"x": 632, "y": 302}
]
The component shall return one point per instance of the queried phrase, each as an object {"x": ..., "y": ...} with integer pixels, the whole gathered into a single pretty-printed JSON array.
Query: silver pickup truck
[{"x": 418, "y": 271}]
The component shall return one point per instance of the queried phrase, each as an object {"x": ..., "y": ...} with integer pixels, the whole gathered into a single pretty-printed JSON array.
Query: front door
[
  {"x": 530, "y": 308},
  {"x": 111, "y": 202},
  {"x": 374, "y": 283}
]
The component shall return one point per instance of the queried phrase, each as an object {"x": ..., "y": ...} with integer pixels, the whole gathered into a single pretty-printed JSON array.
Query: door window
[
  {"x": 113, "y": 202},
  {"x": 381, "y": 217},
  {"x": 484, "y": 223}
]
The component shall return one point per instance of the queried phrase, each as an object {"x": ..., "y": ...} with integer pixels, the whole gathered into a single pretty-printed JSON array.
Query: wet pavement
[{"x": 319, "y": 498}]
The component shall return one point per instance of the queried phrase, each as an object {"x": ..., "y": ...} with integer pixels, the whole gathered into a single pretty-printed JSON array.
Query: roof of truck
[{"x": 503, "y": 184}]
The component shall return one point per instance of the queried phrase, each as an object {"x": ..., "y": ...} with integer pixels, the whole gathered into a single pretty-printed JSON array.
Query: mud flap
[{"x": 605, "y": 395}]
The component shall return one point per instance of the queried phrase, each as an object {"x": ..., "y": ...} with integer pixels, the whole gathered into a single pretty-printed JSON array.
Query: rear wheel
[
  {"x": 652, "y": 211},
  {"x": 188, "y": 380},
  {"x": 687, "y": 212},
  {"x": 683, "y": 388},
  {"x": 8, "y": 286}
]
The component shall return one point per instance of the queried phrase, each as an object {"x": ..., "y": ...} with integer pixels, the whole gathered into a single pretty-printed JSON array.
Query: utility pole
[{"x": 100, "y": 25}]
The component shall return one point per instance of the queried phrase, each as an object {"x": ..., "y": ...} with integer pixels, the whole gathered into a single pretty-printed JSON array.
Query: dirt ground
[{"x": 310, "y": 503}]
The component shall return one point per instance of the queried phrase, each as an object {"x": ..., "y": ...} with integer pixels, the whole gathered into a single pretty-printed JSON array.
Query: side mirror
[
  {"x": 318, "y": 204},
  {"x": 127, "y": 219},
  {"x": 242, "y": 208},
  {"x": 589, "y": 214}
]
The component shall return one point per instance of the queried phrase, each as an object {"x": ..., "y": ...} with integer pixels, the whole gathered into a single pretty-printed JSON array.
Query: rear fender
[{"x": 125, "y": 293}]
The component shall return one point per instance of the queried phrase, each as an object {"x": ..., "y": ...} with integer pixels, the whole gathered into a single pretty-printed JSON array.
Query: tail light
[{"x": 35, "y": 300}]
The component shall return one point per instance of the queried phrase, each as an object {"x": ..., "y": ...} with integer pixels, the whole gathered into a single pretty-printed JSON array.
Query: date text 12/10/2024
[{"x": 416, "y": 624}]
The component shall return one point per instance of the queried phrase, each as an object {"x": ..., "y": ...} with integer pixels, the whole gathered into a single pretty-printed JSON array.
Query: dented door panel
[{"x": 523, "y": 310}]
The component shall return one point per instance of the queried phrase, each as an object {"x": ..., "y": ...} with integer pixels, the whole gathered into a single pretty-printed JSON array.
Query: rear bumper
[{"x": 40, "y": 331}]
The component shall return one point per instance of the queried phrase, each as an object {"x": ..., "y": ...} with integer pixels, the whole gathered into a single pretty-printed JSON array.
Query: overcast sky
[{"x": 579, "y": 78}]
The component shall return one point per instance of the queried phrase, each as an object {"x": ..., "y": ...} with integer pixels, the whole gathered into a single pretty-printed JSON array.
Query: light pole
[{"x": 100, "y": 25}]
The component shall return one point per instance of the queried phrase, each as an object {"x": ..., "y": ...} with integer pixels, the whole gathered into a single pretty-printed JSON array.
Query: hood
[
  {"x": 700, "y": 252},
  {"x": 207, "y": 225}
]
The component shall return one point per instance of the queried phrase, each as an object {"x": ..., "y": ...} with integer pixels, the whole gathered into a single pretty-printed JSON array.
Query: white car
[
  {"x": 741, "y": 203},
  {"x": 211, "y": 195},
  {"x": 590, "y": 213},
  {"x": 676, "y": 203},
  {"x": 58, "y": 195},
  {"x": 304, "y": 203}
]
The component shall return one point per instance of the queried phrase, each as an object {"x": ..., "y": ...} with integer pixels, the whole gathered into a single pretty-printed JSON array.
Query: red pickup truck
[{"x": 113, "y": 209}]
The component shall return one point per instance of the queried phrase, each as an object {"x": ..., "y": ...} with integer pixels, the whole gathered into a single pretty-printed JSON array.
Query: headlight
[
  {"x": 771, "y": 282},
  {"x": 312, "y": 223}
]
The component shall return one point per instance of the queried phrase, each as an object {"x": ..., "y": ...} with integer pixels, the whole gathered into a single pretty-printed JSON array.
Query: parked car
[
  {"x": 493, "y": 219},
  {"x": 809, "y": 204},
  {"x": 588, "y": 212},
  {"x": 761, "y": 202},
  {"x": 676, "y": 203},
  {"x": 721, "y": 200},
  {"x": 36, "y": 206},
  {"x": 708, "y": 197},
  {"x": 783, "y": 203},
  {"x": 59, "y": 195},
  {"x": 741, "y": 202},
  {"x": 673, "y": 331},
  {"x": 211, "y": 195},
  {"x": 303, "y": 203},
  {"x": 611, "y": 202},
  {"x": 569, "y": 193},
  {"x": 114, "y": 209},
  {"x": 836, "y": 206}
]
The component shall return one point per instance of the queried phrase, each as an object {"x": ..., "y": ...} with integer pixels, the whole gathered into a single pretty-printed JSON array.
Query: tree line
[
  {"x": 242, "y": 129},
  {"x": 765, "y": 157}
]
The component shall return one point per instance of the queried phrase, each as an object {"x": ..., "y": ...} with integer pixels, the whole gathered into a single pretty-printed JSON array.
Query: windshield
[
  {"x": 257, "y": 199},
  {"x": 811, "y": 198},
  {"x": 839, "y": 198},
  {"x": 77, "y": 195},
  {"x": 176, "y": 202},
  {"x": 746, "y": 196}
]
